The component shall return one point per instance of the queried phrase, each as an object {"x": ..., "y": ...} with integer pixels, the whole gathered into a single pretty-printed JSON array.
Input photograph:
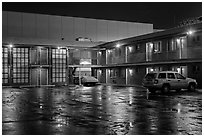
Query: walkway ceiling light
[
  {"x": 10, "y": 45},
  {"x": 190, "y": 32},
  {"x": 118, "y": 46}
]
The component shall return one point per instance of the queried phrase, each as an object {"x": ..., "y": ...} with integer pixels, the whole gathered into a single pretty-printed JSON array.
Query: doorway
[
  {"x": 39, "y": 66},
  {"x": 39, "y": 76},
  {"x": 149, "y": 49}
]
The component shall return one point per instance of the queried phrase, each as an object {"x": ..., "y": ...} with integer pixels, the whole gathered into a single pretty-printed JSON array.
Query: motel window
[
  {"x": 157, "y": 47},
  {"x": 134, "y": 48},
  {"x": 20, "y": 65},
  {"x": 5, "y": 69},
  {"x": 137, "y": 48},
  {"x": 58, "y": 65},
  {"x": 172, "y": 45}
]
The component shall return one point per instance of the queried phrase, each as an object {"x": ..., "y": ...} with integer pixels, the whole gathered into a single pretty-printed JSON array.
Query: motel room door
[
  {"x": 149, "y": 49},
  {"x": 39, "y": 66}
]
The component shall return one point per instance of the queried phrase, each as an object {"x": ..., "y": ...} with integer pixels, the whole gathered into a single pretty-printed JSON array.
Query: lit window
[{"x": 157, "y": 47}]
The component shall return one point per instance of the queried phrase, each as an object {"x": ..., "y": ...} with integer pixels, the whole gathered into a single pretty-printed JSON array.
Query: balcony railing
[{"x": 189, "y": 53}]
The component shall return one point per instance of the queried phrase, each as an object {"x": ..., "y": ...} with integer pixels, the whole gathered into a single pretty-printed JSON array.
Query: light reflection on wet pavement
[{"x": 100, "y": 110}]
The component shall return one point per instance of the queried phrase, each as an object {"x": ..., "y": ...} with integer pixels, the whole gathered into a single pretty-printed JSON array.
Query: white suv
[{"x": 167, "y": 80}]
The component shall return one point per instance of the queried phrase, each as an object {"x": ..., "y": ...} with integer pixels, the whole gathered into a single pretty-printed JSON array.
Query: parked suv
[{"x": 168, "y": 80}]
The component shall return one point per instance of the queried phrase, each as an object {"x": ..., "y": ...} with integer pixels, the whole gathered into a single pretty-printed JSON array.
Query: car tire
[
  {"x": 165, "y": 88},
  {"x": 191, "y": 87}
]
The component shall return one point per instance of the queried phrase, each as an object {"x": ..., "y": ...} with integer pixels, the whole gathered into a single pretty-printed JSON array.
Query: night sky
[{"x": 162, "y": 15}]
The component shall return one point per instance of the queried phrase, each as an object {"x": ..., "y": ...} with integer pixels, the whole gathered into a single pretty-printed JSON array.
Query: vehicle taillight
[{"x": 156, "y": 81}]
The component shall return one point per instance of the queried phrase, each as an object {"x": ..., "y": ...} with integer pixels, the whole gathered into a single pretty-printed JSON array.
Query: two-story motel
[
  {"x": 40, "y": 49},
  {"x": 126, "y": 61}
]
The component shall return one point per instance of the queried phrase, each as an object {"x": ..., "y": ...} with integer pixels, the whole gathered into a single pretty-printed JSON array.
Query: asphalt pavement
[{"x": 100, "y": 110}]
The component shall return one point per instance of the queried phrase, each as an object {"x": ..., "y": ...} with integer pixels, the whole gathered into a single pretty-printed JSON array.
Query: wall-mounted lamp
[
  {"x": 130, "y": 49},
  {"x": 109, "y": 51},
  {"x": 179, "y": 70},
  {"x": 131, "y": 71}
]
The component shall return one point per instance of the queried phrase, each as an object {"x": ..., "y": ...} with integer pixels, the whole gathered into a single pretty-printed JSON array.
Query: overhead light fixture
[
  {"x": 118, "y": 46},
  {"x": 10, "y": 45},
  {"x": 190, "y": 32},
  {"x": 83, "y": 39}
]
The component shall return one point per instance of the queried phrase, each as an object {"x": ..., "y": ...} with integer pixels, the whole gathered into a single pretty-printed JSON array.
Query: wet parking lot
[{"x": 100, "y": 110}]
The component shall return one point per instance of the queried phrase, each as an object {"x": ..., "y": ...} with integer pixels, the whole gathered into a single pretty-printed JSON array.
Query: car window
[
  {"x": 162, "y": 75},
  {"x": 171, "y": 75},
  {"x": 150, "y": 76},
  {"x": 179, "y": 76}
]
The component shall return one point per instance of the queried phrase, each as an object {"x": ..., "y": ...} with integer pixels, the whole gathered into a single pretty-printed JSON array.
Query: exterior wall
[
  {"x": 195, "y": 45},
  {"x": 116, "y": 55},
  {"x": 115, "y": 76},
  {"x": 18, "y": 25},
  {"x": 136, "y": 52},
  {"x": 101, "y": 75},
  {"x": 135, "y": 75},
  {"x": 101, "y": 56},
  {"x": 195, "y": 71}
]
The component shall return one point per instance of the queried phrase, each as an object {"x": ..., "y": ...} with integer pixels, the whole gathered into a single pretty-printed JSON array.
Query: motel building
[
  {"x": 48, "y": 50},
  {"x": 126, "y": 61}
]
